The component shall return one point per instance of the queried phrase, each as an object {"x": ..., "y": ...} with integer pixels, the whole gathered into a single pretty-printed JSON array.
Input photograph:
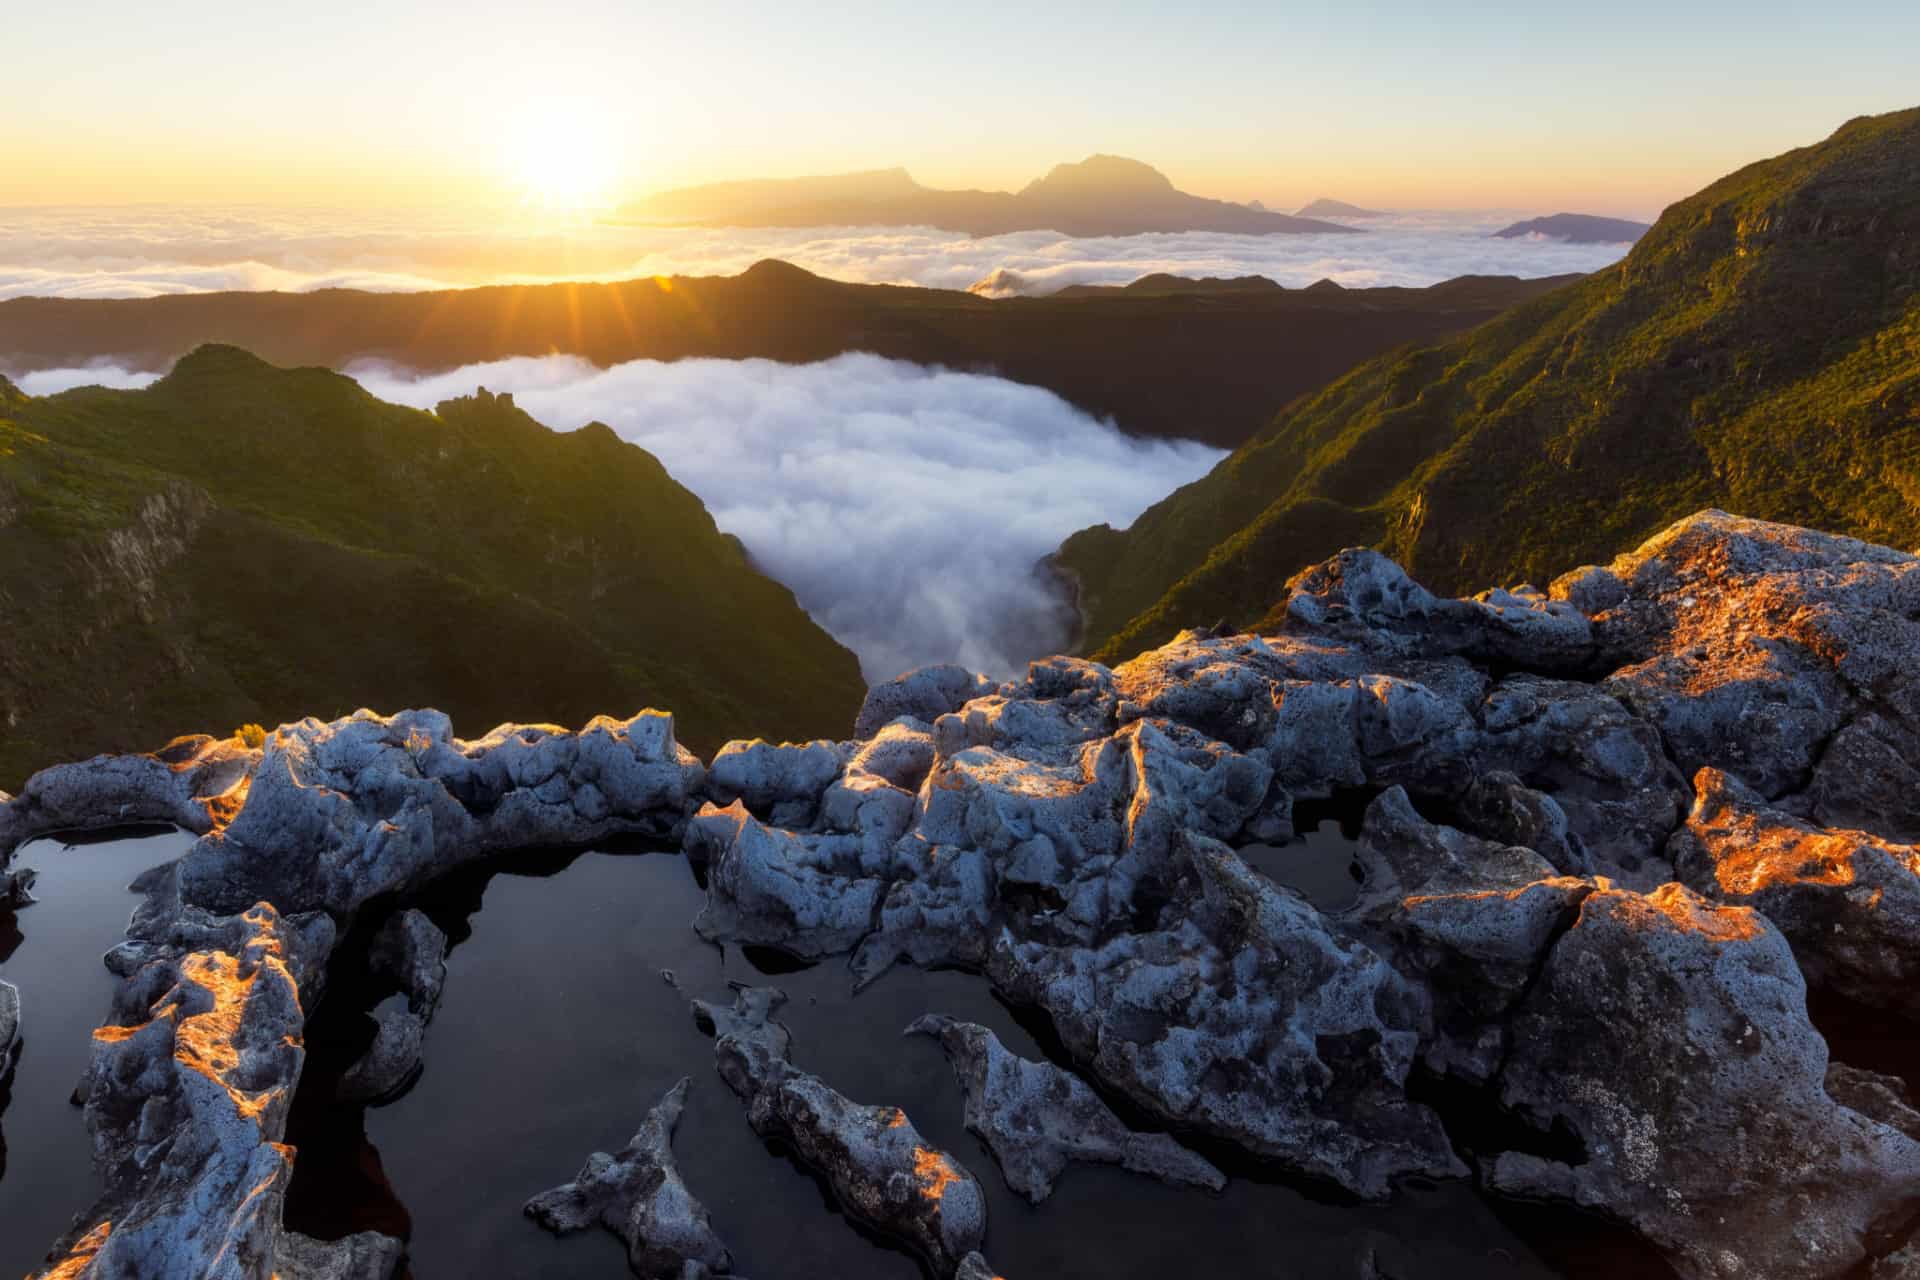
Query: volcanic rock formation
[{"x": 1614, "y": 834}]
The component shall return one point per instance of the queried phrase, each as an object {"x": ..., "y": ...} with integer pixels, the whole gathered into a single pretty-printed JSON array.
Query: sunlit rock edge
[{"x": 1677, "y": 790}]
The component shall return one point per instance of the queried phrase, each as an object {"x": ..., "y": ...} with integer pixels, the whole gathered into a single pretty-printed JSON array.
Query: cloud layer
[
  {"x": 46, "y": 382},
  {"x": 905, "y": 506},
  {"x": 144, "y": 251}
]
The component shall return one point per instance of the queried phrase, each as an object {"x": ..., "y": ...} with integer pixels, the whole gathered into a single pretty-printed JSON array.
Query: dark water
[
  {"x": 51, "y": 950},
  {"x": 557, "y": 1033},
  {"x": 1319, "y": 860}
]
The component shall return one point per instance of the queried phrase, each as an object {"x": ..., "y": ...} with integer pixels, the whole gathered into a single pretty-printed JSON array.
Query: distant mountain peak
[
  {"x": 1102, "y": 195},
  {"x": 1103, "y": 174},
  {"x": 1327, "y": 208},
  {"x": 776, "y": 269},
  {"x": 1577, "y": 228}
]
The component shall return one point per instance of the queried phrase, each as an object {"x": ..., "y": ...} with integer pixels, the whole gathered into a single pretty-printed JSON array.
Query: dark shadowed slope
[
  {"x": 244, "y": 543},
  {"x": 1165, "y": 361},
  {"x": 1577, "y": 228},
  {"x": 1759, "y": 350},
  {"x": 1099, "y": 196}
]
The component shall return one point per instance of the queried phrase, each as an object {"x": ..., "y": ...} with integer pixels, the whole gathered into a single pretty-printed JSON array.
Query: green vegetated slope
[
  {"x": 244, "y": 543},
  {"x": 1759, "y": 350}
]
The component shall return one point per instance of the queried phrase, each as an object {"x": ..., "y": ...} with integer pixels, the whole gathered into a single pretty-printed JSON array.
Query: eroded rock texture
[
  {"x": 9, "y": 1028},
  {"x": 883, "y": 1171},
  {"x": 1671, "y": 1035},
  {"x": 193, "y": 1073},
  {"x": 1038, "y": 1119},
  {"x": 638, "y": 1195},
  {"x": 1613, "y": 833}
]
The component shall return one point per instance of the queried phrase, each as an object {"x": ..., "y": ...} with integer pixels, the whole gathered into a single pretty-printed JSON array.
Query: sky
[{"x": 1617, "y": 108}]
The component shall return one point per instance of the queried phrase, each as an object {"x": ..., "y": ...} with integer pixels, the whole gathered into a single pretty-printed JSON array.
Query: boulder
[
  {"x": 1847, "y": 901},
  {"x": 410, "y": 951},
  {"x": 1669, "y": 1035},
  {"x": 883, "y": 1172},
  {"x": 196, "y": 783},
  {"x": 1245, "y": 1017},
  {"x": 1038, "y": 1119},
  {"x": 365, "y": 1256},
  {"x": 639, "y": 1196}
]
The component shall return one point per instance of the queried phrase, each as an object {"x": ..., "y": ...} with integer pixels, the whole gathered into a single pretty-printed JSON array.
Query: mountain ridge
[
  {"x": 1577, "y": 228},
  {"x": 1103, "y": 195},
  {"x": 1186, "y": 363},
  {"x": 1758, "y": 350},
  {"x": 240, "y": 542}
]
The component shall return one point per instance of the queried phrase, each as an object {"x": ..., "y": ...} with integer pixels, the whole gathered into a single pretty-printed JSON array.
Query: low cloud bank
[
  {"x": 905, "y": 506},
  {"x": 147, "y": 251},
  {"x": 47, "y": 382}
]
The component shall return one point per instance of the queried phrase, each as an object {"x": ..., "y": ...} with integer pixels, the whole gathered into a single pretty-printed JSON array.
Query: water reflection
[
  {"x": 557, "y": 1032},
  {"x": 1319, "y": 860},
  {"x": 51, "y": 951}
]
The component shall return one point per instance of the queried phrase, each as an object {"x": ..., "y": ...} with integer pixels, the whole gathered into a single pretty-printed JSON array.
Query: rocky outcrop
[
  {"x": 195, "y": 783},
  {"x": 879, "y": 1166},
  {"x": 639, "y": 1196},
  {"x": 410, "y": 953},
  {"x": 1038, "y": 1119},
  {"x": 1847, "y": 901},
  {"x": 187, "y": 1097},
  {"x": 367, "y": 1255},
  {"x": 1246, "y": 1017},
  {"x": 1611, "y": 833},
  {"x": 1671, "y": 1036},
  {"x": 193, "y": 1074},
  {"x": 339, "y": 813}
]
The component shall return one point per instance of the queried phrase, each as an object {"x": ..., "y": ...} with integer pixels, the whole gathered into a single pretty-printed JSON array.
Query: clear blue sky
[{"x": 1611, "y": 108}]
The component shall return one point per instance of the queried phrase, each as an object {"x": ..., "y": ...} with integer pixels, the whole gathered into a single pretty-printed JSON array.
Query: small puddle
[
  {"x": 557, "y": 1033},
  {"x": 1319, "y": 860},
  {"x": 51, "y": 950}
]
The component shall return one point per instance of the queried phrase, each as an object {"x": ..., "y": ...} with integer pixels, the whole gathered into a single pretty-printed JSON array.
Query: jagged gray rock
[
  {"x": 974, "y": 1267},
  {"x": 390, "y": 1062},
  {"x": 1404, "y": 857},
  {"x": 924, "y": 694},
  {"x": 1245, "y": 1017},
  {"x": 880, "y": 1167},
  {"x": 9, "y": 1027},
  {"x": 16, "y": 888},
  {"x": 1752, "y": 644},
  {"x": 186, "y": 1097},
  {"x": 410, "y": 951},
  {"x": 192, "y": 1076},
  {"x": 639, "y": 1196},
  {"x": 1038, "y": 1119},
  {"x": 803, "y": 893},
  {"x": 1069, "y": 834},
  {"x": 196, "y": 783},
  {"x": 1847, "y": 901},
  {"x": 1499, "y": 807},
  {"x": 365, "y": 1256},
  {"x": 339, "y": 813},
  {"x": 1670, "y": 1035}
]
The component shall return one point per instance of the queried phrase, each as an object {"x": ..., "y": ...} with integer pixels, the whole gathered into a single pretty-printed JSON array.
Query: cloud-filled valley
[
  {"x": 147, "y": 251},
  {"x": 906, "y": 507}
]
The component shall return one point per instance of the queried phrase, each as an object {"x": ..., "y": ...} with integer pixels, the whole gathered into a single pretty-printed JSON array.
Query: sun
[{"x": 563, "y": 157}]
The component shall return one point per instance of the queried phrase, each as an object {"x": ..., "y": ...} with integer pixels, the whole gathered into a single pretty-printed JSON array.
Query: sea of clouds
[
  {"x": 142, "y": 251},
  {"x": 905, "y": 506}
]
